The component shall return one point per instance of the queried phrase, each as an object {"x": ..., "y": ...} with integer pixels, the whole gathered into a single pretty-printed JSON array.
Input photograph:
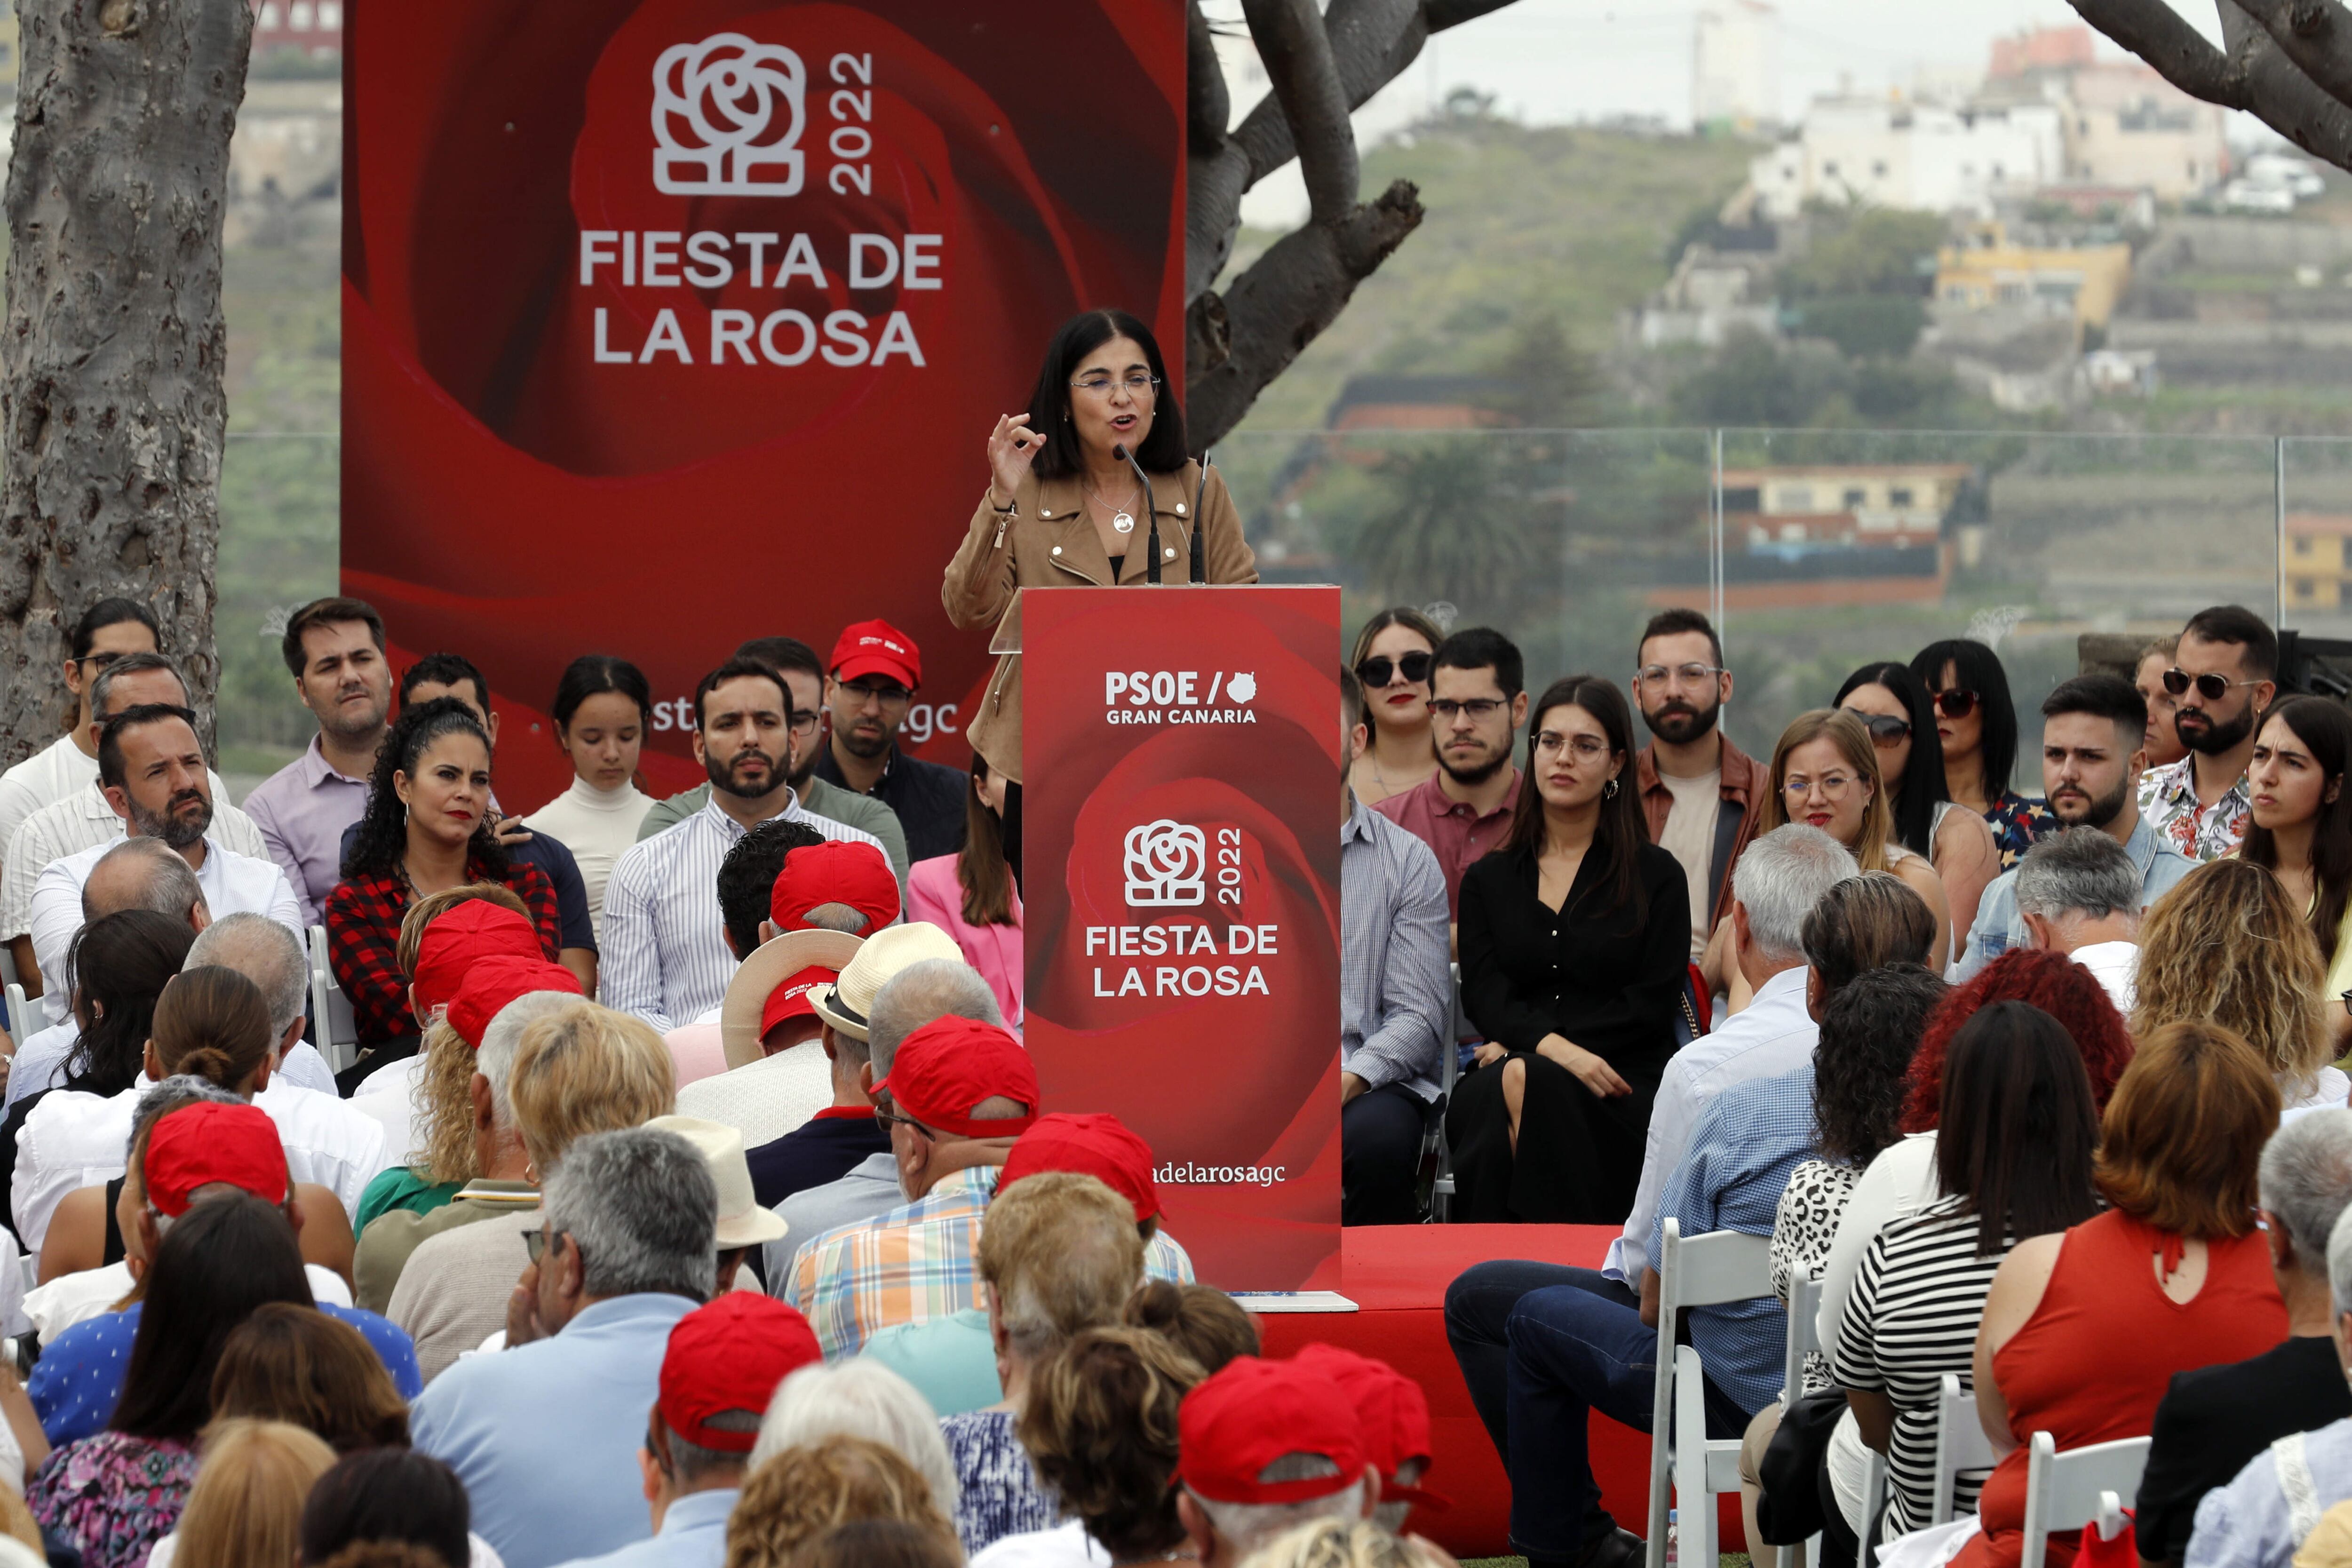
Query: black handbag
[{"x": 1789, "y": 1511}]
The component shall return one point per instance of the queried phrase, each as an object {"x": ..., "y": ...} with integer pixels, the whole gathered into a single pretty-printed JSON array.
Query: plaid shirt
[
  {"x": 363, "y": 917},
  {"x": 917, "y": 1263},
  {"x": 2169, "y": 803}
]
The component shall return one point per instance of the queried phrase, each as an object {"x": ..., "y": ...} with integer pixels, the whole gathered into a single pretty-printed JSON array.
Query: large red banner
[
  {"x": 1181, "y": 819},
  {"x": 668, "y": 323}
]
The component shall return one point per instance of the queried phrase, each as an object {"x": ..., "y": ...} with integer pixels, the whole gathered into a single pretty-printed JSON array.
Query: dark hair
[
  {"x": 1351, "y": 707},
  {"x": 2102, "y": 696},
  {"x": 2020, "y": 1132},
  {"x": 111, "y": 733},
  {"x": 290, "y": 1363},
  {"x": 1100, "y": 1424},
  {"x": 389, "y": 1494},
  {"x": 382, "y": 840},
  {"x": 217, "y": 1262},
  {"x": 877, "y": 1543},
  {"x": 593, "y": 675},
  {"x": 120, "y": 963},
  {"x": 782, "y": 654},
  {"x": 1978, "y": 669},
  {"x": 1869, "y": 1030},
  {"x": 1622, "y": 830},
  {"x": 1482, "y": 648},
  {"x": 1161, "y": 450},
  {"x": 1675, "y": 623},
  {"x": 747, "y": 877},
  {"x": 1863, "y": 923},
  {"x": 326, "y": 613},
  {"x": 2324, "y": 727},
  {"x": 101, "y": 685},
  {"x": 981, "y": 870},
  {"x": 214, "y": 1024},
  {"x": 1395, "y": 615},
  {"x": 104, "y": 613},
  {"x": 446, "y": 670},
  {"x": 1921, "y": 788},
  {"x": 740, "y": 668},
  {"x": 1198, "y": 1320},
  {"x": 2052, "y": 982},
  {"x": 2236, "y": 625}
]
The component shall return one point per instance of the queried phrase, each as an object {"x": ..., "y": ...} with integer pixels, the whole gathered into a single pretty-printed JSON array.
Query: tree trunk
[{"x": 110, "y": 401}]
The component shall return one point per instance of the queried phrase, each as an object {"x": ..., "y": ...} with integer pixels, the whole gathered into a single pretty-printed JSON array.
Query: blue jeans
[{"x": 1540, "y": 1347}]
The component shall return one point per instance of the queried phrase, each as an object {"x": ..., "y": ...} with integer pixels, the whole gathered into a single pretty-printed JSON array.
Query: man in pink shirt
[{"x": 1478, "y": 699}]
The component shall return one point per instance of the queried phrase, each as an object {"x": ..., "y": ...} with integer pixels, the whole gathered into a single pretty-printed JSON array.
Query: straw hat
[
  {"x": 845, "y": 1004},
  {"x": 772, "y": 963}
]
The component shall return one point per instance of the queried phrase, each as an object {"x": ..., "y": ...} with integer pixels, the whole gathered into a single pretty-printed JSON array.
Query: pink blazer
[{"x": 933, "y": 894}]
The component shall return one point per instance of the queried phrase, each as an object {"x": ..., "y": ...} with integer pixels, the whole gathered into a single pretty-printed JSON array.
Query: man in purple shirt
[
  {"x": 334, "y": 649},
  {"x": 1478, "y": 699}
]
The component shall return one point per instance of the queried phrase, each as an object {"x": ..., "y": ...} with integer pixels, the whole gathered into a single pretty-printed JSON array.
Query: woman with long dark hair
[
  {"x": 1574, "y": 938},
  {"x": 1976, "y": 722},
  {"x": 1393, "y": 657},
  {"x": 426, "y": 830},
  {"x": 1065, "y": 508},
  {"x": 601, "y": 708},
  {"x": 970, "y": 894},
  {"x": 2301, "y": 830},
  {"x": 1901, "y": 718}
]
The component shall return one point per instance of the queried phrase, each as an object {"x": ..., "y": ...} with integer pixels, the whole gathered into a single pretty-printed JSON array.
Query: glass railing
[{"x": 279, "y": 548}]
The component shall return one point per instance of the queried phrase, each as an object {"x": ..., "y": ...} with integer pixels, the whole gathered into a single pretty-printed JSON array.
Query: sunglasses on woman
[
  {"x": 1955, "y": 704},
  {"x": 2211, "y": 687},
  {"x": 1381, "y": 669},
  {"x": 1885, "y": 729}
]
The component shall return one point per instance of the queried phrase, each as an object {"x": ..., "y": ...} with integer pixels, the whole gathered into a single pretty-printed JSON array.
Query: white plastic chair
[
  {"x": 1704, "y": 1271},
  {"x": 1804, "y": 1307},
  {"x": 2082, "y": 1486},
  {"x": 1961, "y": 1444},
  {"x": 331, "y": 1010}
]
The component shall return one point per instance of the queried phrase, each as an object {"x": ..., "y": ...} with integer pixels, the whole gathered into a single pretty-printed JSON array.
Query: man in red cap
[
  {"x": 1099, "y": 1146},
  {"x": 957, "y": 1095},
  {"x": 874, "y": 673},
  {"x": 1267, "y": 1446},
  {"x": 1392, "y": 1414}
]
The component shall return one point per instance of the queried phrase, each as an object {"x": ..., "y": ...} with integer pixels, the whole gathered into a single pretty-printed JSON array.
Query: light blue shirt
[
  {"x": 951, "y": 1360},
  {"x": 1999, "y": 927},
  {"x": 693, "y": 1535},
  {"x": 2247, "y": 1524},
  {"x": 546, "y": 1435}
]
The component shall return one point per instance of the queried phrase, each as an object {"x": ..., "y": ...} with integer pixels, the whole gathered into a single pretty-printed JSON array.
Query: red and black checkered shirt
[{"x": 363, "y": 916}]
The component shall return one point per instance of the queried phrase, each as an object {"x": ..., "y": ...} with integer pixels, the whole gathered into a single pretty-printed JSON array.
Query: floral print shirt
[
  {"x": 1000, "y": 1495},
  {"x": 113, "y": 1495},
  {"x": 2016, "y": 823},
  {"x": 2169, "y": 803}
]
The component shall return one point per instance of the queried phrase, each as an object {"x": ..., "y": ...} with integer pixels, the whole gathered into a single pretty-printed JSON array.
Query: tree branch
[
  {"x": 2252, "y": 74},
  {"x": 1296, "y": 54},
  {"x": 2314, "y": 35},
  {"x": 1208, "y": 107}
]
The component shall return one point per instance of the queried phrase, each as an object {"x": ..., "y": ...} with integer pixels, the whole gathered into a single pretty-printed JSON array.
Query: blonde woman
[
  {"x": 245, "y": 1509},
  {"x": 2228, "y": 946},
  {"x": 795, "y": 1496}
]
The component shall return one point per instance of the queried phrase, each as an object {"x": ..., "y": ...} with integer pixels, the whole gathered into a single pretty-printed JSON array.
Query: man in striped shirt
[{"x": 665, "y": 957}]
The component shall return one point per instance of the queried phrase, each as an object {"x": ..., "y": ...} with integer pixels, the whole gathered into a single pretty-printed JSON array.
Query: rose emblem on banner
[
  {"x": 1167, "y": 863},
  {"x": 728, "y": 114},
  {"x": 1242, "y": 686}
]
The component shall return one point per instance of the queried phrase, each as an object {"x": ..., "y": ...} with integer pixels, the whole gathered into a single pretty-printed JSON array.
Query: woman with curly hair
[
  {"x": 2228, "y": 946},
  {"x": 426, "y": 830},
  {"x": 798, "y": 1495}
]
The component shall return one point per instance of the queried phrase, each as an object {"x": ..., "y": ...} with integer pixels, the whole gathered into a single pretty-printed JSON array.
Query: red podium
[{"x": 1181, "y": 806}]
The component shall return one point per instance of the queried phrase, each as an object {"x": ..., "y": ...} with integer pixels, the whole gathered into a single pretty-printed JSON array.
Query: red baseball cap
[
  {"x": 1391, "y": 1410},
  {"x": 209, "y": 1141},
  {"x": 460, "y": 938},
  {"x": 878, "y": 648},
  {"x": 1252, "y": 1412},
  {"x": 1098, "y": 1145},
  {"x": 951, "y": 1064},
  {"x": 837, "y": 871},
  {"x": 791, "y": 999},
  {"x": 498, "y": 980},
  {"x": 731, "y": 1356}
]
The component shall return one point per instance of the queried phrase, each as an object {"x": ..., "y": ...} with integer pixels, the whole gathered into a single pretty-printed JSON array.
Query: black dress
[{"x": 1605, "y": 978}]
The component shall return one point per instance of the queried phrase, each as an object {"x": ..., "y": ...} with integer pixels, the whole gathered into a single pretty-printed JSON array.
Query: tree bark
[
  {"x": 2252, "y": 72},
  {"x": 110, "y": 398}
]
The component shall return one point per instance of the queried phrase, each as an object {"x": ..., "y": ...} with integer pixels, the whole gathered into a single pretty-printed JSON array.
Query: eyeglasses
[
  {"x": 1583, "y": 748},
  {"x": 100, "y": 659},
  {"x": 890, "y": 696},
  {"x": 1137, "y": 383},
  {"x": 1380, "y": 669},
  {"x": 1477, "y": 706},
  {"x": 2211, "y": 687},
  {"x": 887, "y": 1118},
  {"x": 804, "y": 722},
  {"x": 1657, "y": 676},
  {"x": 1955, "y": 704},
  {"x": 2347, "y": 1000},
  {"x": 536, "y": 1242},
  {"x": 1885, "y": 729},
  {"x": 1831, "y": 785}
]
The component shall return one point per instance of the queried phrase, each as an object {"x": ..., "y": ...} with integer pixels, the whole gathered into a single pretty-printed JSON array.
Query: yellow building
[
  {"x": 1841, "y": 503},
  {"x": 1985, "y": 270},
  {"x": 2318, "y": 561}
]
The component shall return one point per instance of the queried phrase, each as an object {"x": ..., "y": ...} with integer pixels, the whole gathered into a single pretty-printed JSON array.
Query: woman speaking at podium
[{"x": 1075, "y": 486}]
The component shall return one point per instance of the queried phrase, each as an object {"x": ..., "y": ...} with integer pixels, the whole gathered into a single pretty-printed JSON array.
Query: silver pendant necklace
[{"x": 1122, "y": 521}]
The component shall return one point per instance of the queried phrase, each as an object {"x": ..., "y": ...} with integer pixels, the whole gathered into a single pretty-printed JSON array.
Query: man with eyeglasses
[
  {"x": 1478, "y": 699},
  {"x": 2222, "y": 678},
  {"x": 1701, "y": 794},
  {"x": 877, "y": 671}
]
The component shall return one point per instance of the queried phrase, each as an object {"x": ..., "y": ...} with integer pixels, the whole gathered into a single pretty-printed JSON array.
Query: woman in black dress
[{"x": 1575, "y": 944}]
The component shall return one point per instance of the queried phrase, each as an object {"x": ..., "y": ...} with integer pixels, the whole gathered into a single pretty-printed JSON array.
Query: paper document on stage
[{"x": 1295, "y": 1302}]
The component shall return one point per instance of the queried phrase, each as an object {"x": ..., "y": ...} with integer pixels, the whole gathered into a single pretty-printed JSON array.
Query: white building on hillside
[
  {"x": 1736, "y": 66},
  {"x": 1923, "y": 157}
]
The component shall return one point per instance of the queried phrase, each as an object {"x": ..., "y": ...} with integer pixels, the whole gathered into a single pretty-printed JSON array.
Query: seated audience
[
  {"x": 747, "y": 880},
  {"x": 2222, "y": 681},
  {"x": 1901, "y": 718},
  {"x": 1392, "y": 656},
  {"x": 390, "y": 1495},
  {"x": 877, "y": 671},
  {"x": 859, "y": 1399},
  {"x": 801, "y": 1495},
  {"x": 744, "y": 1226},
  {"x": 427, "y": 830},
  {"x": 837, "y": 1136},
  {"x": 599, "y": 714},
  {"x": 1396, "y": 1000},
  {"x": 2301, "y": 830},
  {"x": 1976, "y": 723},
  {"x": 2013, "y": 1161},
  {"x": 334, "y": 649},
  {"x": 2215, "y": 1420},
  {"x": 1392, "y": 1414},
  {"x": 288, "y": 1364},
  {"x": 544, "y": 1435},
  {"x": 1261, "y": 1447},
  {"x": 1573, "y": 970},
  {"x": 245, "y": 1506},
  {"x": 2074, "y": 893},
  {"x": 107, "y": 633},
  {"x": 1478, "y": 700},
  {"x": 1201, "y": 1321},
  {"x": 2227, "y": 947},
  {"x": 2091, "y": 730},
  {"x": 2082, "y": 1330},
  {"x": 972, "y": 894}
]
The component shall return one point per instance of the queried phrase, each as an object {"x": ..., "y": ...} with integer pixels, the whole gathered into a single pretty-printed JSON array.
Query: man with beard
[
  {"x": 665, "y": 957},
  {"x": 877, "y": 671},
  {"x": 2222, "y": 678},
  {"x": 1478, "y": 699},
  {"x": 334, "y": 649},
  {"x": 2092, "y": 731},
  {"x": 1701, "y": 794},
  {"x": 153, "y": 771}
]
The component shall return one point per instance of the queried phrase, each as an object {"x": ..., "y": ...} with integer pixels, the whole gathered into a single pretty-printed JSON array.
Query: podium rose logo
[
  {"x": 1167, "y": 863},
  {"x": 727, "y": 115}
]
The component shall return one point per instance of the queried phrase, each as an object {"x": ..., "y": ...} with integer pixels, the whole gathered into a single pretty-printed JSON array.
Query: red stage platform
[{"x": 1396, "y": 1276}]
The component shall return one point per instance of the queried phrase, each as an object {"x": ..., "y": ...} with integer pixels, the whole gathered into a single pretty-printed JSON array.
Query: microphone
[
  {"x": 1200, "y": 571},
  {"x": 1152, "y": 566}
]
